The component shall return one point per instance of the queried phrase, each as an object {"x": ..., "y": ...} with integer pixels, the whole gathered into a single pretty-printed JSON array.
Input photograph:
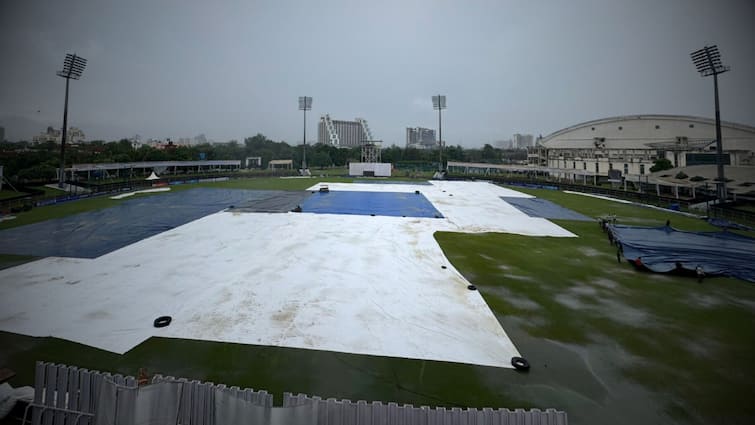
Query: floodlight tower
[
  {"x": 73, "y": 67},
  {"x": 708, "y": 62},
  {"x": 305, "y": 104},
  {"x": 439, "y": 103}
]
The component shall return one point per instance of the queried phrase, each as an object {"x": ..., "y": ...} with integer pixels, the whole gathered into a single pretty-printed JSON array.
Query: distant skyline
[{"x": 230, "y": 70}]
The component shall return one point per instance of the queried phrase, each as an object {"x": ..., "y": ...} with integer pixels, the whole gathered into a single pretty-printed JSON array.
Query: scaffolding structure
[{"x": 371, "y": 152}]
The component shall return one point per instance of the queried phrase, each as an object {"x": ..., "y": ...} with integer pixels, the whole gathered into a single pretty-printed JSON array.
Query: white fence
[{"x": 67, "y": 395}]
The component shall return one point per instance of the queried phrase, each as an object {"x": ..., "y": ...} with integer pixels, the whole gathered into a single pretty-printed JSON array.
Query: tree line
[{"x": 24, "y": 161}]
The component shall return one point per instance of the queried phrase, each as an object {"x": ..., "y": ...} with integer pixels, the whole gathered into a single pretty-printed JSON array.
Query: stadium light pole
[
  {"x": 73, "y": 67},
  {"x": 305, "y": 104},
  {"x": 708, "y": 62},
  {"x": 439, "y": 103}
]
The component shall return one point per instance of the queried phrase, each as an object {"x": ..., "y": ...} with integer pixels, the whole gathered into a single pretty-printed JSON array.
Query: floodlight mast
[
  {"x": 439, "y": 103},
  {"x": 73, "y": 67},
  {"x": 708, "y": 62},
  {"x": 305, "y": 104}
]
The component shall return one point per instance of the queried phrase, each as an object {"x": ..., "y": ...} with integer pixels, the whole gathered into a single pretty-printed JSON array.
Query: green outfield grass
[
  {"x": 748, "y": 208},
  {"x": 7, "y": 193},
  {"x": 49, "y": 191},
  {"x": 7, "y": 260},
  {"x": 607, "y": 343}
]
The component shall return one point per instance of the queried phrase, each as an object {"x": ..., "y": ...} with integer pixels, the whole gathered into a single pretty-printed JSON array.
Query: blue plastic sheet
[
  {"x": 726, "y": 224},
  {"x": 532, "y": 185},
  {"x": 95, "y": 233},
  {"x": 665, "y": 249},
  {"x": 371, "y": 203},
  {"x": 536, "y": 207}
]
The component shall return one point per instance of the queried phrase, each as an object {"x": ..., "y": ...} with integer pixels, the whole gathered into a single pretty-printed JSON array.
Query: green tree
[
  {"x": 38, "y": 172},
  {"x": 661, "y": 164},
  {"x": 489, "y": 153},
  {"x": 320, "y": 159},
  {"x": 454, "y": 153}
]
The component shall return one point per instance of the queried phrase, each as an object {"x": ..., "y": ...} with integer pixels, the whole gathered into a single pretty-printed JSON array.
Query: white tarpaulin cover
[{"x": 348, "y": 283}]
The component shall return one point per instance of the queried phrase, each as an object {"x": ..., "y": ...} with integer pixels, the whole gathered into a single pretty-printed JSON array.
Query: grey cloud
[{"x": 232, "y": 69}]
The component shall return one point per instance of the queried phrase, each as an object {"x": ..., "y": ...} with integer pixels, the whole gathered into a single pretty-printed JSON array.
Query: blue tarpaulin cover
[
  {"x": 726, "y": 224},
  {"x": 95, "y": 233},
  {"x": 536, "y": 207},
  {"x": 661, "y": 248},
  {"x": 393, "y": 204}
]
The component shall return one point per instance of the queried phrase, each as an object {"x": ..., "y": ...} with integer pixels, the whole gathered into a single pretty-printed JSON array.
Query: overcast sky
[{"x": 233, "y": 69}]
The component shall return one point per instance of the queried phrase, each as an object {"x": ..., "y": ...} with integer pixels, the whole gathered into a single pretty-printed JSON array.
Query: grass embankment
[
  {"x": 49, "y": 191},
  {"x": 748, "y": 208},
  {"x": 7, "y": 193},
  {"x": 607, "y": 343},
  {"x": 8, "y": 260}
]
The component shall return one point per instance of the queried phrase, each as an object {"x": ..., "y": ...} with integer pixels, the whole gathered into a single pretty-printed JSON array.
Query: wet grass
[
  {"x": 607, "y": 343},
  {"x": 50, "y": 191},
  {"x": 8, "y": 260},
  {"x": 56, "y": 211},
  {"x": 275, "y": 369},
  {"x": 665, "y": 348},
  {"x": 6, "y": 193}
]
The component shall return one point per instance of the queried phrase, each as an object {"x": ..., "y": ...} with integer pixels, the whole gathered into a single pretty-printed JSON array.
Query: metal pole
[
  {"x": 62, "y": 176},
  {"x": 304, "y": 159},
  {"x": 721, "y": 185},
  {"x": 440, "y": 137}
]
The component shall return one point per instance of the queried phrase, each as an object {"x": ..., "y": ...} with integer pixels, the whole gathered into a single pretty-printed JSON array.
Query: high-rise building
[
  {"x": 522, "y": 141},
  {"x": 420, "y": 138},
  {"x": 343, "y": 133},
  {"x": 200, "y": 139},
  {"x": 2, "y": 134},
  {"x": 74, "y": 135}
]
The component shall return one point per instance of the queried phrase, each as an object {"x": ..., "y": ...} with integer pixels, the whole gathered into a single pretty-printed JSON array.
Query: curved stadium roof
[{"x": 643, "y": 130}]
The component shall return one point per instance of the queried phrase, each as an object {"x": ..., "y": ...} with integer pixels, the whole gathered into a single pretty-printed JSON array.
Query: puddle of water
[
  {"x": 583, "y": 290},
  {"x": 658, "y": 276},
  {"x": 605, "y": 283},
  {"x": 522, "y": 278},
  {"x": 516, "y": 301},
  {"x": 585, "y": 380},
  {"x": 704, "y": 300},
  {"x": 702, "y": 348},
  {"x": 591, "y": 252},
  {"x": 625, "y": 314},
  {"x": 571, "y": 301}
]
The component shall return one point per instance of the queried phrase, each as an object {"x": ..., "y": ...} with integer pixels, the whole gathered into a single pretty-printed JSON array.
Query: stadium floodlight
[
  {"x": 73, "y": 67},
  {"x": 305, "y": 104},
  {"x": 708, "y": 62},
  {"x": 439, "y": 103}
]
